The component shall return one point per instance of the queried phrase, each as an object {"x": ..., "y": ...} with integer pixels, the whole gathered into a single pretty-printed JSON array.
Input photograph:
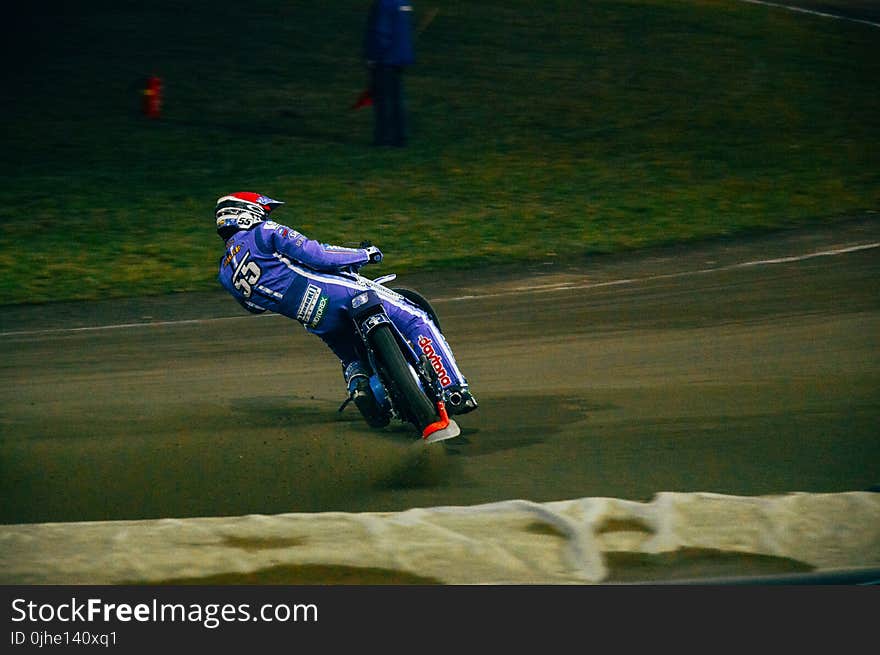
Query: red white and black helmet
[{"x": 242, "y": 211}]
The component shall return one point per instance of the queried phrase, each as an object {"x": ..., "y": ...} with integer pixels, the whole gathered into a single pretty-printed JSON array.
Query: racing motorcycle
[{"x": 403, "y": 381}]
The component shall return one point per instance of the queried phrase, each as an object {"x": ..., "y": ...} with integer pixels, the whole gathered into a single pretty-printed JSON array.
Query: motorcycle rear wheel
[{"x": 407, "y": 396}]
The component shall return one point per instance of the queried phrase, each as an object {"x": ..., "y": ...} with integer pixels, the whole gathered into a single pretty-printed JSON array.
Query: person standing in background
[{"x": 388, "y": 50}]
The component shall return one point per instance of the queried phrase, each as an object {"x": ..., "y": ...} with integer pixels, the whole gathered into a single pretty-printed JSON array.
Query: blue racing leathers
[{"x": 272, "y": 267}]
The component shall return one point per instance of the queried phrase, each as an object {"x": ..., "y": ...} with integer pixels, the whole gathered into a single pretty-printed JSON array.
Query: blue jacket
[
  {"x": 388, "y": 40},
  {"x": 261, "y": 268}
]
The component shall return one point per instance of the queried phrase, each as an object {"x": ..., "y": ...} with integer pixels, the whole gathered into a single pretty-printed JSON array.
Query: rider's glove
[{"x": 374, "y": 254}]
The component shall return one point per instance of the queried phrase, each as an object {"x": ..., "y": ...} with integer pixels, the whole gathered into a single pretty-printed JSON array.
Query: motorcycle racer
[{"x": 268, "y": 266}]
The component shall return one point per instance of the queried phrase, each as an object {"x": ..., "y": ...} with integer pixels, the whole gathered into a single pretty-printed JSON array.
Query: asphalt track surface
[{"x": 743, "y": 367}]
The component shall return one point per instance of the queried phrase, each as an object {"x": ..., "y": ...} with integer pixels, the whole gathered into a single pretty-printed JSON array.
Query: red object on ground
[
  {"x": 442, "y": 424},
  {"x": 365, "y": 99},
  {"x": 152, "y": 104}
]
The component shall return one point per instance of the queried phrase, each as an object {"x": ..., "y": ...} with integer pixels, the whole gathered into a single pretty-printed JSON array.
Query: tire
[
  {"x": 406, "y": 394},
  {"x": 421, "y": 302}
]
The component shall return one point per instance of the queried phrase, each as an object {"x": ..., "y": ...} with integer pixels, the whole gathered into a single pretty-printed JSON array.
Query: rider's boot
[
  {"x": 358, "y": 382},
  {"x": 458, "y": 399}
]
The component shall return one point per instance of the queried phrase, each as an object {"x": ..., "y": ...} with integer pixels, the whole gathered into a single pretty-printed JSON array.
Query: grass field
[{"x": 540, "y": 131}]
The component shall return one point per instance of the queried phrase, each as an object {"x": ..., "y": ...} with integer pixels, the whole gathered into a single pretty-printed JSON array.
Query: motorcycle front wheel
[{"x": 400, "y": 379}]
